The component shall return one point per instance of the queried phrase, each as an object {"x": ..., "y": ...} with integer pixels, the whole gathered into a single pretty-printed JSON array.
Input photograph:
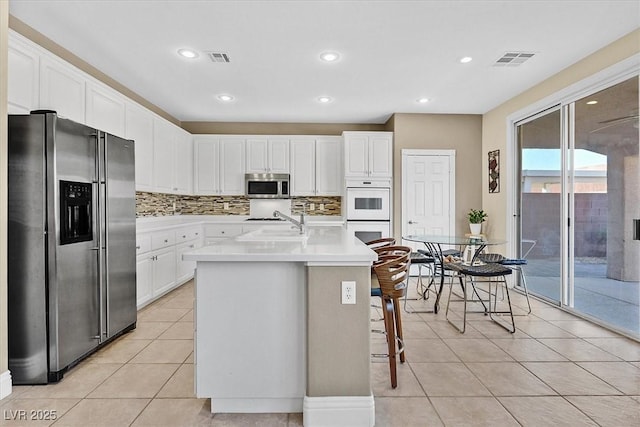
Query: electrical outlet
[
  {"x": 225, "y": 206},
  {"x": 321, "y": 206},
  {"x": 348, "y": 292},
  {"x": 312, "y": 206}
]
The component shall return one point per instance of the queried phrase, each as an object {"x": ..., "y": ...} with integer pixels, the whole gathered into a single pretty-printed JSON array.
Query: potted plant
[{"x": 476, "y": 218}]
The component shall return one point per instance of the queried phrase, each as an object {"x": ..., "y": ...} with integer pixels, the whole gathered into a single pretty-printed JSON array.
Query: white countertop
[
  {"x": 324, "y": 245},
  {"x": 145, "y": 224}
]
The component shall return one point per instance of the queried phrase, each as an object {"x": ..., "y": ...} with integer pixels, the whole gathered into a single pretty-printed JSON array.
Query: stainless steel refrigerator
[{"x": 72, "y": 261}]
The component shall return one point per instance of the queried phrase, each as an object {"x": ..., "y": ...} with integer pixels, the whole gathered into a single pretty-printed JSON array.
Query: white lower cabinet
[
  {"x": 159, "y": 265},
  {"x": 155, "y": 274},
  {"x": 164, "y": 270},
  {"x": 144, "y": 280}
]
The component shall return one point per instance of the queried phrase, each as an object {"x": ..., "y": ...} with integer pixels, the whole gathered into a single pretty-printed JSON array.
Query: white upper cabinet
[
  {"x": 105, "y": 109},
  {"x": 316, "y": 166},
  {"x": 62, "y": 89},
  {"x": 172, "y": 157},
  {"x": 23, "y": 78},
  {"x": 267, "y": 155},
  {"x": 183, "y": 156},
  {"x": 219, "y": 165},
  {"x": 329, "y": 169},
  {"x": 303, "y": 166},
  {"x": 163, "y": 143},
  {"x": 232, "y": 153},
  {"x": 38, "y": 79},
  {"x": 139, "y": 127},
  {"x": 368, "y": 154}
]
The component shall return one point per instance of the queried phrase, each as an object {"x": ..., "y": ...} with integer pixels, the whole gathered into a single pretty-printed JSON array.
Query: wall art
[{"x": 494, "y": 171}]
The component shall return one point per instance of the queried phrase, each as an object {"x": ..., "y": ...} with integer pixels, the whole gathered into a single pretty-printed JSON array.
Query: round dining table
[{"x": 438, "y": 245}]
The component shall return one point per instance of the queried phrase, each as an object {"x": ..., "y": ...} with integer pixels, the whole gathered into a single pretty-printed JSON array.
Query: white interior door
[{"x": 428, "y": 193}]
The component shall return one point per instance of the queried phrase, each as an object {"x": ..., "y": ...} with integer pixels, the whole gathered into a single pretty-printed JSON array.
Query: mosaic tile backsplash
[{"x": 160, "y": 204}]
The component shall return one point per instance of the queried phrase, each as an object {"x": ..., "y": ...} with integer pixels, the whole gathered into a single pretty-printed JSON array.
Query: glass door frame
[{"x": 564, "y": 100}]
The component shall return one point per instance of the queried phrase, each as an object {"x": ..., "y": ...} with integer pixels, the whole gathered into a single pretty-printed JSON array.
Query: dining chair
[
  {"x": 392, "y": 271},
  {"x": 471, "y": 277},
  {"x": 516, "y": 264}
]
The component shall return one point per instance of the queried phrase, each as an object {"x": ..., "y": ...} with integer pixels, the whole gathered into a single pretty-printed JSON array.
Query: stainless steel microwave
[{"x": 266, "y": 185}]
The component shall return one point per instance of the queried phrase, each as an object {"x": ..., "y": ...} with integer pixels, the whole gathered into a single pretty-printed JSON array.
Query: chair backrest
[
  {"x": 378, "y": 243},
  {"x": 530, "y": 242},
  {"x": 392, "y": 270}
]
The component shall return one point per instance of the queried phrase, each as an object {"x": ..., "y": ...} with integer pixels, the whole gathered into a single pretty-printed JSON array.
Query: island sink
[{"x": 275, "y": 234}]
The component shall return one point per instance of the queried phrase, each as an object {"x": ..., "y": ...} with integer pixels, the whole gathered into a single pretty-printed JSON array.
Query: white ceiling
[{"x": 392, "y": 52}]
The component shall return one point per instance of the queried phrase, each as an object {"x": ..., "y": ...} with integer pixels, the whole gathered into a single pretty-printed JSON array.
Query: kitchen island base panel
[
  {"x": 248, "y": 405},
  {"x": 339, "y": 411},
  {"x": 251, "y": 333}
]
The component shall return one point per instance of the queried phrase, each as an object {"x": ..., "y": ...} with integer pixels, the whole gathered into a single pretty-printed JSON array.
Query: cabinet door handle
[
  {"x": 184, "y": 236},
  {"x": 138, "y": 247},
  {"x": 191, "y": 246},
  {"x": 166, "y": 240},
  {"x": 414, "y": 222}
]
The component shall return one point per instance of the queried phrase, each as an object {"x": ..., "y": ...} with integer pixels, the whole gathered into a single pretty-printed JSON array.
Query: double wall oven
[{"x": 368, "y": 207}]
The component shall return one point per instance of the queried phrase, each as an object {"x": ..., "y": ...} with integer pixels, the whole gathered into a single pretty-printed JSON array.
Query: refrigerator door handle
[
  {"x": 99, "y": 222},
  {"x": 105, "y": 210}
]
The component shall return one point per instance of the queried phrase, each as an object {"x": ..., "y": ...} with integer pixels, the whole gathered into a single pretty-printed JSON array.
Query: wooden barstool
[{"x": 392, "y": 271}]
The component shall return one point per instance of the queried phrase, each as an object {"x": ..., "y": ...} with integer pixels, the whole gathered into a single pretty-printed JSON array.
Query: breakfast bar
[{"x": 271, "y": 331}]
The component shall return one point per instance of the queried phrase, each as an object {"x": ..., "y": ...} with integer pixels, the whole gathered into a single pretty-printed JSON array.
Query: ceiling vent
[
  {"x": 513, "y": 59},
  {"x": 219, "y": 57}
]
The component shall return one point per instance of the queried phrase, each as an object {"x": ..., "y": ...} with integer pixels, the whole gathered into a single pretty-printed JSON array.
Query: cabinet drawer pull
[
  {"x": 184, "y": 236},
  {"x": 166, "y": 240}
]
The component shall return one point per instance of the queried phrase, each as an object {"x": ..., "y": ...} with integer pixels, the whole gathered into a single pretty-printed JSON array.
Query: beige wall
[
  {"x": 494, "y": 123},
  {"x": 459, "y": 132},
  {"x": 4, "y": 33}
]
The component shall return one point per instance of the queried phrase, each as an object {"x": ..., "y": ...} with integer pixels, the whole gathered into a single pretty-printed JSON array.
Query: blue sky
[{"x": 549, "y": 159}]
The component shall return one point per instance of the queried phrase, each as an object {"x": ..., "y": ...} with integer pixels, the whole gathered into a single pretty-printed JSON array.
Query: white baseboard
[
  {"x": 339, "y": 411},
  {"x": 5, "y": 384}
]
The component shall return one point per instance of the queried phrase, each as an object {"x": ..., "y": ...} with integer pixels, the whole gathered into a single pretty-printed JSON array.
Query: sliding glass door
[
  {"x": 579, "y": 193},
  {"x": 606, "y": 199},
  {"x": 540, "y": 209}
]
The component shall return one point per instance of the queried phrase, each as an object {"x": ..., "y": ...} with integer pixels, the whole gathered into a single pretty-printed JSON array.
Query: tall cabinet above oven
[{"x": 368, "y": 198}]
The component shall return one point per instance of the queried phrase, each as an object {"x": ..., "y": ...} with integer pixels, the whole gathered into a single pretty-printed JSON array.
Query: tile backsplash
[{"x": 161, "y": 204}]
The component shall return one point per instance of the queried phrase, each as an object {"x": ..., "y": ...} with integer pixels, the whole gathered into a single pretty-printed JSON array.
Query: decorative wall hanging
[{"x": 494, "y": 171}]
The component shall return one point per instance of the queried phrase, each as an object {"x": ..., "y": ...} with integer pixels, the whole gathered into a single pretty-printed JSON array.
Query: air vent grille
[
  {"x": 219, "y": 57},
  {"x": 513, "y": 59}
]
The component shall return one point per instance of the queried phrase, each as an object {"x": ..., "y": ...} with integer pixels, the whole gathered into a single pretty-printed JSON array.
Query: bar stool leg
[
  {"x": 391, "y": 340},
  {"x": 398, "y": 325}
]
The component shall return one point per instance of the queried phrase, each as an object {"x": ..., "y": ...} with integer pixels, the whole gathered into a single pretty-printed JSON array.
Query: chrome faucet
[{"x": 299, "y": 224}]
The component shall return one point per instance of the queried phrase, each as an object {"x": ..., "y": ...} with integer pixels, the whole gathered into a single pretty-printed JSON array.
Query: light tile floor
[{"x": 556, "y": 370}]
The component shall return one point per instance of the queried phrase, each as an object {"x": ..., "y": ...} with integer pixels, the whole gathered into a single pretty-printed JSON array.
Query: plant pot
[{"x": 475, "y": 228}]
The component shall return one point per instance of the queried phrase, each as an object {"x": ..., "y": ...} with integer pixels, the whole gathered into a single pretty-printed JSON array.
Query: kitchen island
[{"x": 271, "y": 332}]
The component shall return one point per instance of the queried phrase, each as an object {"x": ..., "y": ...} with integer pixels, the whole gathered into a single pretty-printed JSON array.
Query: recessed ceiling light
[
  {"x": 225, "y": 98},
  {"x": 188, "y": 53},
  {"x": 324, "y": 99},
  {"x": 422, "y": 100},
  {"x": 592, "y": 102},
  {"x": 330, "y": 56},
  {"x": 466, "y": 59}
]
